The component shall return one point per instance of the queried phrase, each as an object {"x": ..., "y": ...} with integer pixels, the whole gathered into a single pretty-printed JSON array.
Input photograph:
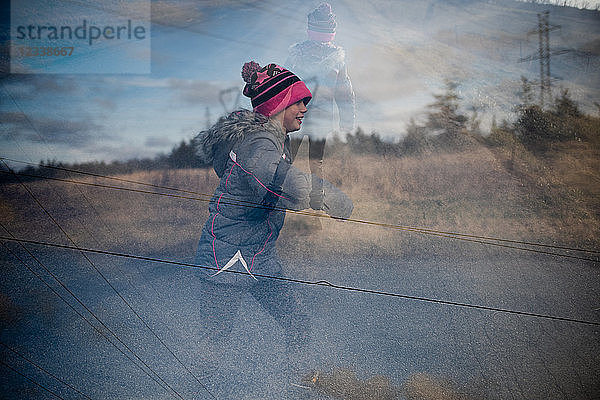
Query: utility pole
[{"x": 544, "y": 53}]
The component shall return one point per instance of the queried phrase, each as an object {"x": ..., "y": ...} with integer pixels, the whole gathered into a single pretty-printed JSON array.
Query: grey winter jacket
[{"x": 250, "y": 154}]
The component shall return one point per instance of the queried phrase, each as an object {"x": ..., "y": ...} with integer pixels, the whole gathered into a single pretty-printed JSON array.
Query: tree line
[{"x": 445, "y": 128}]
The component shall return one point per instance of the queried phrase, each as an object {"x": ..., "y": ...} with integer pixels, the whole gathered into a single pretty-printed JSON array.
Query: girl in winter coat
[{"x": 250, "y": 153}]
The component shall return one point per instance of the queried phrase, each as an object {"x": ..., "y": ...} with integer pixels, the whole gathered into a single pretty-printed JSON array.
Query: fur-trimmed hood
[{"x": 213, "y": 145}]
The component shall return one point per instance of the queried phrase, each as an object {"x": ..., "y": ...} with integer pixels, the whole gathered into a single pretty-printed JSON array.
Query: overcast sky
[{"x": 398, "y": 56}]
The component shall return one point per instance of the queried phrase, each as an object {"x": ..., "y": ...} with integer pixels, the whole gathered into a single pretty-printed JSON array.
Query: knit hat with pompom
[
  {"x": 272, "y": 88},
  {"x": 321, "y": 23}
]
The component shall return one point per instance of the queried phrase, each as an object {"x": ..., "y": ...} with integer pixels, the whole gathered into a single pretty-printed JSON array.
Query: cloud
[
  {"x": 25, "y": 87},
  {"x": 197, "y": 92},
  {"x": 4, "y": 59},
  {"x": 158, "y": 142},
  {"x": 106, "y": 104},
  {"x": 186, "y": 14},
  {"x": 175, "y": 14},
  {"x": 392, "y": 72},
  {"x": 118, "y": 151},
  {"x": 135, "y": 81},
  {"x": 52, "y": 131},
  {"x": 68, "y": 132},
  {"x": 13, "y": 118},
  {"x": 592, "y": 48}
]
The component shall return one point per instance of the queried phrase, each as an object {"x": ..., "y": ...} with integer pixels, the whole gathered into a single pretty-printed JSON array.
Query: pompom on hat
[
  {"x": 272, "y": 88},
  {"x": 321, "y": 23}
]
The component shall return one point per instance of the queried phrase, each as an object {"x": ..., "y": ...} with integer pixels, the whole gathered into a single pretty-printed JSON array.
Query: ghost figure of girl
[{"x": 322, "y": 64}]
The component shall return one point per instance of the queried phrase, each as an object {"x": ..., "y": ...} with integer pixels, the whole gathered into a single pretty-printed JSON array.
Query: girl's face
[{"x": 292, "y": 116}]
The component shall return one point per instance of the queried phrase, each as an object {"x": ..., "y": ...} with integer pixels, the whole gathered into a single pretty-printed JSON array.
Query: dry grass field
[{"x": 505, "y": 192}]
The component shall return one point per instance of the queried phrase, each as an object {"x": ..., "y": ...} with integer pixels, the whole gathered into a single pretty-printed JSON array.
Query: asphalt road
[{"x": 488, "y": 354}]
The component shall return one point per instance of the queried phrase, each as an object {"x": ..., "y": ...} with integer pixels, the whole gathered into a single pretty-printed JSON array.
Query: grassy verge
[{"x": 504, "y": 192}]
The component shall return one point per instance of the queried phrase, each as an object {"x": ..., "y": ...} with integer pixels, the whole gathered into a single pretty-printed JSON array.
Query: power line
[
  {"x": 259, "y": 205},
  {"x": 112, "y": 287},
  {"x": 544, "y": 28},
  {"x": 102, "y": 333},
  {"x": 486, "y": 240},
  {"x": 90, "y": 262},
  {"x": 115, "y": 290},
  {"x": 43, "y": 140},
  {"x": 306, "y": 282},
  {"x": 98, "y": 214},
  {"x": 44, "y": 370},
  {"x": 31, "y": 380}
]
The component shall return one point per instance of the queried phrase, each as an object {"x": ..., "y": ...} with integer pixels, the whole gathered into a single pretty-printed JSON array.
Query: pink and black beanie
[
  {"x": 272, "y": 88},
  {"x": 321, "y": 24}
]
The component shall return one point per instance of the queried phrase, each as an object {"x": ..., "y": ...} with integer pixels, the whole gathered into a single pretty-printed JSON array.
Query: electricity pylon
[{"x": 544, "y": 53}]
